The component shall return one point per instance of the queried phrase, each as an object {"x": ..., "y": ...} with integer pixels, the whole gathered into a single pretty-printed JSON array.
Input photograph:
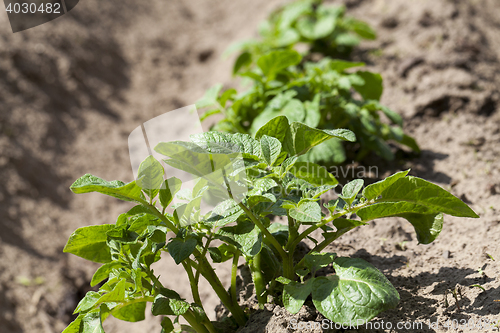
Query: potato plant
[
  {"x": 277, "y": 184},
  {"x": 319, "y": 94},
  {"x": 323, "y": 29}
]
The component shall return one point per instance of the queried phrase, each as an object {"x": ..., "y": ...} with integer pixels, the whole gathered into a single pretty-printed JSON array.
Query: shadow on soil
[
  {"x": 8, "y": 322},
  {"x": 50, "y": 91}
]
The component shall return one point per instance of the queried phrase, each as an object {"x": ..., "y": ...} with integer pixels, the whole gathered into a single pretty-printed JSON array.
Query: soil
[{"x": 73, "y": 90}]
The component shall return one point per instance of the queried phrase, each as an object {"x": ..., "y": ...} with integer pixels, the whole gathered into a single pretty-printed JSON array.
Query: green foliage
[
  {"x": 322, "y": 28},
  {"x": 278, "y": 184},
  {"x": 317, "y": 94},
  {"x": 357, "y": 291},
  {"x": 328, "y": 94}
]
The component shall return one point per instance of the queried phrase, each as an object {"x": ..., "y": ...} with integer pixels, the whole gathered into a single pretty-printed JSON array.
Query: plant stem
[
  {"x": 327, "y": 220},
  {"x": 264, "y": 230},
  {"x": 203, "y": 254},
  {"x": 193, "y": 283},
  {"x": 258, "y": 280},
  {"x": 314, "y": 227},
  {"x": 161, "y": 216},
  {"x": 288, "y": 268},
  {"x": 234, "y": 272},
  {"x": 292, "y": 231},
  {"x": 209, "y": 274},
  {"x": 191, "y": 319},
  {"x": 317, "y": 248}
]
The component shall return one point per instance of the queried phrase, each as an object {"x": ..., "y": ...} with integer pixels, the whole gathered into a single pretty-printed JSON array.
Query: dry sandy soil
[{"x": 72, "y": 91}]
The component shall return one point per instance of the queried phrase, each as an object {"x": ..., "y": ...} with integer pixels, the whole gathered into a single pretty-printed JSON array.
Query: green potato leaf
[
  {"x": 362, "y": 29},
  {"x": 341, "y": 65},
  {"x": 315, "y": 29},
  {"x": 307, "y": 211},
  {"x": 343, "y": 226},
  {"x": 427, "y": 222},
  {"x": 287, "y": 165},
  {"x": 295, "y": 295},
  {"x": 326, "y": 153},
  {"x": 222, "y": 253},
  {"x": 386, "y": 209},
  {"x": 132, "y": 313},
  {"x": 116, "y": 188},
  {"x": 224, "y": 213},
  {"x": 315, "y": 261},
  {"x": 427, "y": 226},
  {"x": 276, "y": 61},
  {"x": 90, "y": 243},
  {"x": 87, "y": 302},
  {"x": 167, "y": 306},
  {"x": 410, "y": 143},
  {"x": 372, "y": 87},
  {"x": 357, "y": 291},
  {"x": 150, "y": 176},
  {"x": 75, "y": 325},
  {"x": 347, "y": 39},
  {"x": 244, "y": 60},
  {"x": 222, "y": 143},
  {"x": 256, "y": 199},
  {"x": 351, "y": 190},
  {"x": 92, "y": 323},
  {"x": 313, "y": 113},
  {"x": 246, "y": 236},
  {"x": 167, "y": 325},
  {"x": 168, "y": 190},
  {"x": 393, "y": 116},
  {"x": 313, "y": 174},
  {"x": 115, "y": 295},
  {"x": 270, "y": 148},
  {"x": 300, "y": 137},
  {"x": 374, "y": 190},
  {"x": 419, "y": 191},
  {"x": 102, "y": 272},
  {"x": 181, "y": 248},
  {"x": 276, "y": 127},
  {"x": 210, "y": 97}
]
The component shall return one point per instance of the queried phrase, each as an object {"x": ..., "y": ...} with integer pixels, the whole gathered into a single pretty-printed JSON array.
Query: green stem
[
  {"x": 193, "y": 283},
  {"x": 209, "y": 274},
  {"x": 161, "y": 216},
  {"x": 258, "y": 280},
  {"x": 203, "y": 254},
  {"x": 312, "y": 228},
  {"x": 324, "y": 243},
  {"x": 196, "y": 295},
  {"x": 270, "y": 290},
  {"x": 191, "y": 319},
  {"x": 318, "y": 248},
  {"x": 264, "y": 230},
  {"x": 206, "y": 270},
  {"x": 288, "y": 268},
  {"x": 156, "y": 283},
  {"x": 234, "y": 272},
  {"x": 321, "y": 246},
  {"x": 292, "y": 233}
]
